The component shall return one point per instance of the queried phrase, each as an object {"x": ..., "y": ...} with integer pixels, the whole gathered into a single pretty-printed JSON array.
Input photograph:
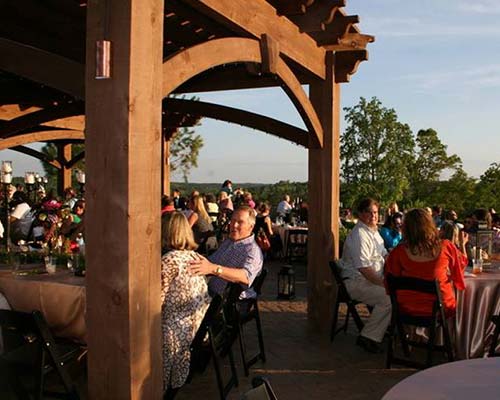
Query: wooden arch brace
[
  {"x": 188, "y": 63},
  {"x": 44, "y": 136},
  {"x": 241, "y": 117},
  {"x": 33, "y": 119}
]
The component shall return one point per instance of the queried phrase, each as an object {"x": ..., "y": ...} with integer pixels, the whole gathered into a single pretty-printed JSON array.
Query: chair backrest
[
  {"x": 259, "y": 281},
  {"x": 335, "y": 268},
  {"x": 297, "y": 236},
  {"x": 18, "y": 328},
  {"x": 397, "y": 283},
  {"x": 200, "y": 353}
]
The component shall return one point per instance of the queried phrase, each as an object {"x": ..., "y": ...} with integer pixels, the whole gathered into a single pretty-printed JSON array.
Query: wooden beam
[
  {"x": 188, "y": 63},
  {"x": 258, "y": 17},
  {"x": 324, "y": 201},
  {"x": 26, "y": 121},
  {"x": 347, "y": 63},
  {"x": 227, "y": 77},
  {"x": 72, "y": 162},
  {"x": 270, "y": 53},
  {"x": 298, "y": 96},
  {"x": 42, "y": 136},
  {"x": 165, "y": 164},
  {"x": 40, "y": 66},
  {"x": 349, "y": 42},
  {"x": 64, "y": 175},
  {"x": 240, "y": 117},
  {"x": 292, "y": 7},
  {"x": 319, "y": 14},
  {"x": 37, "y": 154},
  {"x": 123, "y": 161}
]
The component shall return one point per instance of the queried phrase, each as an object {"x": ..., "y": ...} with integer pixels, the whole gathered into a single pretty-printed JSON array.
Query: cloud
[
  {"x": 489, "y": 7},
  {"x": 486, "y": 76},
  {"x": 426, "y": 27}
]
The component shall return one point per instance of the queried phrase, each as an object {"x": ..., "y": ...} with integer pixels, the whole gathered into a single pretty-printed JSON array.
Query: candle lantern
[
  {"x": 484, "y": 245},
  {"x": 6, "y": 180},
  {"x": 286, "y": 283},
  {"x": 80, "y": 178}
]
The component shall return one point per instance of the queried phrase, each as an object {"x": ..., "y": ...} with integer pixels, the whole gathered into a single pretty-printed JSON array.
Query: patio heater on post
[
  {"x": 6, "y": 180},
  {"x": 80, "y": 178}
]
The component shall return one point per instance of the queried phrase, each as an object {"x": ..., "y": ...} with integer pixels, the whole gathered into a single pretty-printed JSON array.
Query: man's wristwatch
[{"x": 218, "y": 270}]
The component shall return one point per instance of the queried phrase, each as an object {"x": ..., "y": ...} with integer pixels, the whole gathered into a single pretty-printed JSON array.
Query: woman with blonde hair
[
  {"x": 184, "y": 299},
  {"x": 201, "y": 223},
  {"x": 424, "y": 255}
]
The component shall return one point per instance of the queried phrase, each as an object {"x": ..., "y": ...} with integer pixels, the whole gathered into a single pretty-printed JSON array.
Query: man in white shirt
[
  {"x": 284, "y": 207},
  {"x": 363, "y": 270}
]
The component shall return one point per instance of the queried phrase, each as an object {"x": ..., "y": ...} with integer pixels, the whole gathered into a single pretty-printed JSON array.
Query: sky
[{"x": 435, "y": 62}]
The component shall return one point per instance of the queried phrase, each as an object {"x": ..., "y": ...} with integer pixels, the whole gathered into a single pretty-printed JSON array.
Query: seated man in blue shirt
[{"x": 238, "y": 259}]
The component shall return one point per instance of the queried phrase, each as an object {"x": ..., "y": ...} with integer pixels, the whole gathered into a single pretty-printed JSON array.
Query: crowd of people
[
  {"x": 423, "y": 243},
  {"x": 43, "y": 221}
]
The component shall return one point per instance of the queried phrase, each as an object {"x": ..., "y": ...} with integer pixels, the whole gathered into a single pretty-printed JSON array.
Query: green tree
[
  {"x": 455, "y": 193},
  {"x": 488, "y": 188},
  {"x": 431, "y": 160},
  {"x": 375, "y": 151},
  {"x": 185, "y": 147}
]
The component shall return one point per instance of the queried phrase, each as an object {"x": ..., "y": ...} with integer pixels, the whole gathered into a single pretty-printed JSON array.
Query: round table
[
  {"x": 475, "y": 306},
  {"x": 466, "y": 379}
]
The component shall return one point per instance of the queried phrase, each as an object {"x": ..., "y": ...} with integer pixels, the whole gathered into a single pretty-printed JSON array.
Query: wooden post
[
  {"x": 123, "y": 158},
  {"x": 64, "y": 174},
  {"x": 165, "y": 164},
  {"x": 324, "y": 196}
]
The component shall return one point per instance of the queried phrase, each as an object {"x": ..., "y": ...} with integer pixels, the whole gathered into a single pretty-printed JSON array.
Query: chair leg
[
  {"x": 447, "y": 343},
  {"x": 259, "y": 334},
  {"x": 494, "y": 340},
  {"x": 243, "y": 349},
  {"x": 431, "y": 344},
  {"x": 218, "y": 374},
  {"x": 390, "y": 349},
  {"x": 357, "y": 318},
  {"x": 335, "y": 318}
]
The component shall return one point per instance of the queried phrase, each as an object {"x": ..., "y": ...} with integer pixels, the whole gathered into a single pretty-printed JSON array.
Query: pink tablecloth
[
  {"x": 466, "y": 379},
  {"x": 60, "y": 297},
  {"x": 475, "y": 306}
]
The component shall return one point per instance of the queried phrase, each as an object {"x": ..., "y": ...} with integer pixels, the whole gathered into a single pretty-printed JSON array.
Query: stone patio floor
[{"x": 301, "y": 362}]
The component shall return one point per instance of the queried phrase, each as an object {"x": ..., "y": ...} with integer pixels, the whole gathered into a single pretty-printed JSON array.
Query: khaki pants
[{"x": 373, "y": 295}]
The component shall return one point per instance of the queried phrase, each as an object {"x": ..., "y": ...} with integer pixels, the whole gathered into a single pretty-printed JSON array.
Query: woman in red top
[{"x": 424, "y": 255}]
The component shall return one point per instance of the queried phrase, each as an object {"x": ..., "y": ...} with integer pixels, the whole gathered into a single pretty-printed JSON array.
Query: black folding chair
[
  {"x": 30, "y": 353},
  {"x": 262, "y": 390},
  {"x": 494, "y": 338},
  {"x": 343, "y": 297},
  {"x": 400, "y": 319},
  {"x": 239, "y": 312},
  {"x": 296, "y": 244},
  {"x": 212, "y": 342}
]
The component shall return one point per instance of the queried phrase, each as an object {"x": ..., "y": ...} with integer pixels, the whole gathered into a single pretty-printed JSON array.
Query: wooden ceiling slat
[{"x": 43, "y": 67}]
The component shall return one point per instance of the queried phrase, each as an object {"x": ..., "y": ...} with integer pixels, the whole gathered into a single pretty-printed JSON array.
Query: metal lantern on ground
[{"x": 286, "y": 283}]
